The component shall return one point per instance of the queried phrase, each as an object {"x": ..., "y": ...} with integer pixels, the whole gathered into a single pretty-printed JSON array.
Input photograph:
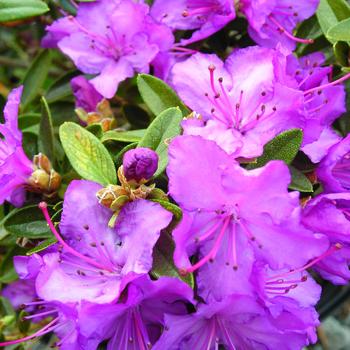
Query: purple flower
[
  {"x": 330, "y": 214},
  {"x": 86, "y": 96},
  {"x": 241, "y": 101},
  {"x": 204, "y": 16},
  {"x": 140, "y": 164},
  {"x": 114, "y": 46},
  {"x": 324, "y": 102},
  {"x": 96, "y": 262},
  {"x": 136, "y": 322},
  {"x": 273, "y": 21},
  {"x": 236, "y": 322},
  {"x": 19, "y": 292},
  {"x": 63, "y": 324},
  {"x": 233, "y": 216},
  {"x": 334, "y": 169},
  {"x": 15, "y": 167}
]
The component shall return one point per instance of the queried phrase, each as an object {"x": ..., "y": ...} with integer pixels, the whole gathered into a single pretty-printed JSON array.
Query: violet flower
[
  {"x": 205, "y": 17},
  {"x": 324, "y": 102},
  {"x": 86, "y": 96},
  {"x": 272, "y": 22},
  {"x": 241, "y": 101},
  {"x": 226, "y": 219},
  {"x": 236, "y": 322},
  {"x": 19, "y": 292},
  {"x": 137, "y": 322},
  {"x": 140, "y": 164},
  {"x": 95, "y": 262},
  {"x": 114, "y": 46},
  {"x": 334, "y": 169},
  {"x": 15, "y": 167},
  {"x": 330, "y": 214}
]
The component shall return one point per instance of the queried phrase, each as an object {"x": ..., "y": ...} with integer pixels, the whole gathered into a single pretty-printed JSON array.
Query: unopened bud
[
  {"x": 106, "y": 196},
  {"x": 140, "y": 164}
]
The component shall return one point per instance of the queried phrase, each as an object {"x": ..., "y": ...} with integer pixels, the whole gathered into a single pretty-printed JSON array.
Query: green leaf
[
  {"x": 330, "y": 12},
  {"x": 163, "y": 263},
  {"x": 299, "y": 181},
  {"x": 13, "y": 10},
  {"x": 284, "y": 147},
  {"x": 340, "y": 31},
  {"x": 27, "y": 222},
  {"x": 46, "y": 133},
  {"x": 341, "y": 52},
  {"x": 87, "y": 155},
  {"x": 42, "y": 246},
  {"x": 60, "y": 89},
  {"x": 157, "y": 95},
  {"x": 123, "y": 136},
  {"x": 163, "y": 128},
  {"x": 173, "y": 208},
  {"x": 35, "y": 77}
]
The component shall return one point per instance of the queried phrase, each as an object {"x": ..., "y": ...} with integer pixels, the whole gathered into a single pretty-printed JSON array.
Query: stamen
[
  {"x": 212, "y": 254},
  {"x": 43, "y": 207},
  {"x": 48, "y": 328},
  {"x": 209, "y": 232},
  {"x": 335, "y": 82},
  {"x": 289, "y": 35},
  {"x": 330, "y": 251}
]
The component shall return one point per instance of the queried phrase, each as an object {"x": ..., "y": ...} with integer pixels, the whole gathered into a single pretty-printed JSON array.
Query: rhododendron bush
[{"x": 174, "y": 174}]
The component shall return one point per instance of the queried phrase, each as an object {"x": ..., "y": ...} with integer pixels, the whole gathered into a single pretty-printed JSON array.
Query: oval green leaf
[
  {"x": 14, "y": 10},
  {"x": 87, "y": 155}
]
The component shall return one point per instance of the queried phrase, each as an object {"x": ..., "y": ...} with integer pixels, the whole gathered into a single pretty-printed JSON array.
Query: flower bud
[{"x": 140, "y": 164}]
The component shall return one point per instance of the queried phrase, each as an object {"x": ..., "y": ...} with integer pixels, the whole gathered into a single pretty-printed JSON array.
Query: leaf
[
  {"x": 341, "y": 52},
  {"x": 123, "y": 136},
  {"x": 163, "y": 263},
  {"x": 299, "y": 181},
  {"x": 46, "y": 133},
  {"x": 27, "y": 222},
  {"x": 340, "y": 31},
  {"x": 42, "y": 246},
  {"x": 157, "y": 95},
  {"x": 173, "y": 208},
  {"x": 13, "y": 10},
  {"x": 87, "y": 155},
  {"x": 163, "y": 128},
  {"x": 35, "y": 77},
  {"x": 330, "y": 12},
  {"x": 284, "y": 147},
  {"x": 60, "y": 89}
]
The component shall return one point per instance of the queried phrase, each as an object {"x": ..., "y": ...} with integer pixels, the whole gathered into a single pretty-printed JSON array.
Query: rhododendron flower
[
  {"x": 273, "y": 21},
  {"x": 205, "y": 17},
  {"x": 114, "y": 46},
  {"x": 334, "y": 169},
  {"x": 137, "y": 322},
  {"x": 241, "y": 101},
  {"x": 19, "y": 292},
  {"x": 236, "y": 322},
  {"x": 95, "y": 262},
  {"x": 86, "y": 96},
  {"x": 330, "y": 214},
  {"x": 228, "y": 221},
  {"x": 324, "y": 102},
  {"x": 15, "y": 167}
]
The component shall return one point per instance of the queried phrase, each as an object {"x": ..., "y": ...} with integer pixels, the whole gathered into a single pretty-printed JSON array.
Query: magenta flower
[
  {"x": 273, "y": 22},
  {"x": 230, "y": 227},
  {"x": 324, "y": 102},
  {"x": 19, "y": 292},
  {"x": 114, "y": 46},
  {"x": 140, "y": 164},
  {"x": 15, "y": 167},
  {"x": 86, "y": 96},
  {"x": 205, "y": 17},
  {"x": 96, "y": 262},
  {"x": 236, "y": 322},
  {"x": 242, "y": 101},
  {"x": 137, "y": 322},
  {"x": 329, "y": 214},
  {"x": 334, "y": 169}
]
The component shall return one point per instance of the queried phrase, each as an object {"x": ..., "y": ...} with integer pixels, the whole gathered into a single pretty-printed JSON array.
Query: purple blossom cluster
[{"x": 251, "y": 244}]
